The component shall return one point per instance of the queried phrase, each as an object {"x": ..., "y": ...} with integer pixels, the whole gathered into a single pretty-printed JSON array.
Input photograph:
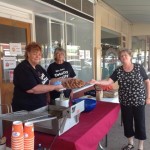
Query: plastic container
[
  {"x": 57, "y": 83},
  {"x": 89, "y": 104}
]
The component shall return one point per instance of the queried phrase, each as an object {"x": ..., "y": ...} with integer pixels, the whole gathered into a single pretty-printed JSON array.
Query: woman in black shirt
[
  {"x": 60, "y": 69},
  {"x": 31, "y": 81}
]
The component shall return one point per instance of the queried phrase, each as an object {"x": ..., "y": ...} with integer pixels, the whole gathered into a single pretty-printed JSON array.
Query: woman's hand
[
  {"x": 58, "y": 87},
  {"x": 148, "y": 101},
  {"x": 93, "y": 81},
  {"x": 101, "y": 82}
]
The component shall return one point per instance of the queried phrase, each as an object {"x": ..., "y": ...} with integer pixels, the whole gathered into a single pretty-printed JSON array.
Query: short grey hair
[{"x": 58, "y": 49}]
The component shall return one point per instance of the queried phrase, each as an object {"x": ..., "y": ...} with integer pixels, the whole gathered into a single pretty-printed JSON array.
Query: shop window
[
  {"x": 42, "y": 37},
  {"x": 74, "y": 3},
  {"x": 42, "y": 28},
  {"x": 49, "y": 33},
  {"x": 141, "y": 51},
  {"x": 87, "y": 7},
  {"x": 80, "y": 46},
  {"x": 75, "y": 35},
  {"x": 54, "y": 13},
  {"x": 62, "y": 1},
  {"x": 57, "y": 33}
]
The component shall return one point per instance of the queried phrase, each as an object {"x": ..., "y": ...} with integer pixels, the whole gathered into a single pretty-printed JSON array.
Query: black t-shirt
[
  {"x": 25, "y": 78},
  {"x": 63, "y": 70},
  {"x": 131, "y": 86}
]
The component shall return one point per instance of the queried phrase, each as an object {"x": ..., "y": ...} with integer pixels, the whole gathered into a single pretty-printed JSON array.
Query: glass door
[
  {"x": 110, "y": 43},
  {"x": 14, "y": 35}
]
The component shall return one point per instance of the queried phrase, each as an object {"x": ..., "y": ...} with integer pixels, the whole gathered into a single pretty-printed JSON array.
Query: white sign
[
  {"x": 15, "y": 48},
  {"x": 81, "y": 54},
  {"x": 87, "y": 54},
  {"x": 9, "y": 62}
]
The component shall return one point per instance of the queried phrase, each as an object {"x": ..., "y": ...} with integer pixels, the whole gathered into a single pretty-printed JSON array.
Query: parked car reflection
[{"x": 81, "y": 67}]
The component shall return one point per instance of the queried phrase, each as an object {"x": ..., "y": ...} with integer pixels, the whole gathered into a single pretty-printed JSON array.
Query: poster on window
[
  {"x": 87, "y": 54},
  {"x": 9, "y": 62},
  {"x": 81, "y": 54},
  {"x": 15, "y": 49}
]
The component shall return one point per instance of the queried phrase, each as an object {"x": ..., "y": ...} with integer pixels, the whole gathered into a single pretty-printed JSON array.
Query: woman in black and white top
[{"x": 132, "y": 96}]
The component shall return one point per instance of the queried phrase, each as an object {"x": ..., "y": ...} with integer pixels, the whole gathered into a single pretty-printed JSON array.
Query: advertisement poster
[
  {"x": 9, "y": 62},
  {"x": 15, "y": 49}
]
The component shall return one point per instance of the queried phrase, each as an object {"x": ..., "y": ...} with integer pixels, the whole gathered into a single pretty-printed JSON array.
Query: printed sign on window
[
  {"x": 9, "y": 62},
  {"x": 15, "y": 48}
]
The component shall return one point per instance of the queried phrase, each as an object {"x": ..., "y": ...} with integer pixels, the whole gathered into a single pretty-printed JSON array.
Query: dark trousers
[{"x": 134, "y": 121}]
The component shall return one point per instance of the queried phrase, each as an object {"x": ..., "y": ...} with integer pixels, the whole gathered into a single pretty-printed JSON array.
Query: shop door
[{"x": 11, "y": 32}]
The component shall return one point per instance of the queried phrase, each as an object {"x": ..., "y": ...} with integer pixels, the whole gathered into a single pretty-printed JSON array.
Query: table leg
[
  {"x": 106, "y": 140},
  {"x": 121, "y": 120}
]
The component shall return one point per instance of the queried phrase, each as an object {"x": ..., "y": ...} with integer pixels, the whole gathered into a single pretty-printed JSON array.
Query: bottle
[
  {"x": 40, "y": 147},
  {"x": 61, "y": 95}
]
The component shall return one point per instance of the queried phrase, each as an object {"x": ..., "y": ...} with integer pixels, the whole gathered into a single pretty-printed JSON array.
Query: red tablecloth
[{"x": 92, "y": 127}]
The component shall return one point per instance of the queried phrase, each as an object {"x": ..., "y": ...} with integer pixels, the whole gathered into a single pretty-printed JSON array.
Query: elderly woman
[
  {"x": 132, "y": 97},
  {"x": 60, "y": 69},
  {"x": 31, "y": 82}
]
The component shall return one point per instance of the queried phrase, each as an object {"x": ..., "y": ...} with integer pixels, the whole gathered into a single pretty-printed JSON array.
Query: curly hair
[{"x": 33, "y": 46}]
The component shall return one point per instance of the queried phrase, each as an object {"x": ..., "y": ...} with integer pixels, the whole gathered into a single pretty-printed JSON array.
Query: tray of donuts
[{"x": 73, "y": 83}]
